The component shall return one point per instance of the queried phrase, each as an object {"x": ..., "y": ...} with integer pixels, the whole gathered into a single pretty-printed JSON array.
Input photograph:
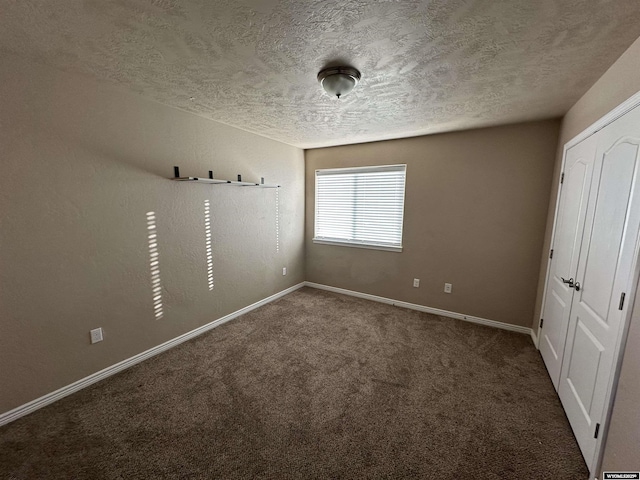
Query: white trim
[
  {"x": 625, "y": 107},
  {"x": 534, "y": 337},
  {"x": 422, "y": 308},
  {"x": 49, "y": 398},
  {"x": 347, "y": 243},
  {"x": 396, "y": 167}
]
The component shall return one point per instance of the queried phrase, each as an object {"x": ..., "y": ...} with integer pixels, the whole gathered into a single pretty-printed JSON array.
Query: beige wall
[
  {"x": 619, "y": 83},
  {"x": 475, "y": 211},
  {"x": 82, "y": 163}
]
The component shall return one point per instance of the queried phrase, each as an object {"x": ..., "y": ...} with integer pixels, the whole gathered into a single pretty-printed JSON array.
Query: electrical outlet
[
  {"x": 447, "y": 288},
  {"x": 96, "y": 335},
  {"x": 416, "y": 282},
  {"x": 284, "y": 270}
]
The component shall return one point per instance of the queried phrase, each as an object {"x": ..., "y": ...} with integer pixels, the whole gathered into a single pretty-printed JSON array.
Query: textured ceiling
[{"x": 427, "y": 66}]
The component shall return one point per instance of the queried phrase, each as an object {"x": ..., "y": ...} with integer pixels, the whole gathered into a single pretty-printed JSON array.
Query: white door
[
  {"x": 605, "y": 271},
  {"x": 572, "y": 209}
]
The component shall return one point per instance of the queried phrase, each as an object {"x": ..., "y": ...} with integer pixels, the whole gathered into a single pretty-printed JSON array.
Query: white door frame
[{"x": 598, "y": 125}]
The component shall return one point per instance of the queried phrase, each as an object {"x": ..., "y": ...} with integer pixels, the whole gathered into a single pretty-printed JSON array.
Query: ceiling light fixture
[{"x": 338, "y": 81}]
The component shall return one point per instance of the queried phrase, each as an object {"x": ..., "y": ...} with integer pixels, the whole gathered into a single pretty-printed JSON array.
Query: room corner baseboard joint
[{"x": 534, "y": 338}]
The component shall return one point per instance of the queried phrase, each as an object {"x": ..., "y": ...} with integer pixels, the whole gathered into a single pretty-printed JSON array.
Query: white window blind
[{"x": 360, "y": 206}]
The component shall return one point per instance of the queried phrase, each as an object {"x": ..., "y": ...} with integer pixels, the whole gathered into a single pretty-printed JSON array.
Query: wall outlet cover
[
  {"x": 447, "y": 288},
  {"x": 416, "y": 282},
  {"x": 284, "y": 270},
  {"x": 96, "y": 335}
]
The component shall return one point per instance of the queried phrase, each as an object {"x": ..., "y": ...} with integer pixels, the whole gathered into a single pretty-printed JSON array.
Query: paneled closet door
[
  {"x": 572, "y": 209},
  {"x": 605, "y": 269}
]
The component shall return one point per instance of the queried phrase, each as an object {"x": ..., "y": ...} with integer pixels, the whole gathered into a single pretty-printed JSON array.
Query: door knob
[
  {"x": 568, "y": 282},
  {"x": 577, "y": 286}
]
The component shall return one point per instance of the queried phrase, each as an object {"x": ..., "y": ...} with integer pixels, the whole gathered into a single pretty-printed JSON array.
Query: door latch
[
  {"x": 568, "y": 282},
  {"x": 571, "y": 283}
]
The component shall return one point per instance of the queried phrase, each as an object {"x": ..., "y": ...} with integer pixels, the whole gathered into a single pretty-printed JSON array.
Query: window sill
[{"x": 357, "y": 245}]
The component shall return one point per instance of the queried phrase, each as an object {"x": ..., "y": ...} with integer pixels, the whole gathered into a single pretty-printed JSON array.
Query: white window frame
[{"x": 346, "y": 242}]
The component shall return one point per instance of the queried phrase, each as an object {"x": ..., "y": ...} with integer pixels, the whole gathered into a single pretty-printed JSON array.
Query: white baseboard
[
  {"x": 422, "y": 308},
  {"x": 534, "y": 337},
  {"x": 49, "y": 398}
]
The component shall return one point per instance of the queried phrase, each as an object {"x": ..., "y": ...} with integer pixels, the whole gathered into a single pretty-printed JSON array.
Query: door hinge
[
  {"x": 541, "y": 322},
  {"x": 562, "y": 178},
  {"x": 551, "y": 253},
  {"x": 595, "y": 435},
  {"x": 621, "y": 301}
]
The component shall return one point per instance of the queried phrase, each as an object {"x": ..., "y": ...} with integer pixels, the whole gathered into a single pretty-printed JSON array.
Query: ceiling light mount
[{"x": 338, "y": 81}]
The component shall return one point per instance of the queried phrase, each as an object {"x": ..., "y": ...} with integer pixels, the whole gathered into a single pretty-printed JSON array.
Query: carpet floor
[{"x": 315, "y": 385}]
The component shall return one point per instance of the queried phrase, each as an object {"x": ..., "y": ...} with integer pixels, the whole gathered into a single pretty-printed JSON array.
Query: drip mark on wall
[
  {"x": 207, "y": 242},
  {"x": 277, "y": 219},
  {"x": 154, "y": 264}
]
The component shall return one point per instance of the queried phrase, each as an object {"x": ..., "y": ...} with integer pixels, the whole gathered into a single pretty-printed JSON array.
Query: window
[{"x": 360, "y": 207}]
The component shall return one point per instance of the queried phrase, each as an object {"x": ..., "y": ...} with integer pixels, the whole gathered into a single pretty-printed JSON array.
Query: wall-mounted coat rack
[{"x": 218, "y": 181}]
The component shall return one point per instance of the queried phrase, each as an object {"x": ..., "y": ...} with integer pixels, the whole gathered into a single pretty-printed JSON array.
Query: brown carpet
[{"x": 314, "y": 385}]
